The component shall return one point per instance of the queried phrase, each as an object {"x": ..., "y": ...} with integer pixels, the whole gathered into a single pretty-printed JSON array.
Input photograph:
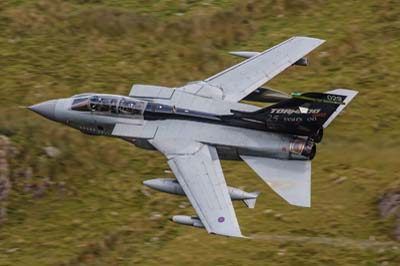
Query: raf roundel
[{"x": 221, "y": 219}]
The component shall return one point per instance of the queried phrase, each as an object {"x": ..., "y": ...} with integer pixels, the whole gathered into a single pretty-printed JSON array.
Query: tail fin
[
  {"x": 348, "y": 94},
  {"x": 251, "y": 203},
  {"x": 305, "y": 113}
]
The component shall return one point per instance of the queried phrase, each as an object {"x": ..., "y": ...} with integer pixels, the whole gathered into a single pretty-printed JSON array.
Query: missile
[
  {"x": 172, "y": 186},
  {"x": 244, "y": 54},
  {"x": 187, "y": 220}
]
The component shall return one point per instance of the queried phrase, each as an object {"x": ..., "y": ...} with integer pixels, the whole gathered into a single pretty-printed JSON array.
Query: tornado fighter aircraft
[{"x": 197, "y": 125}]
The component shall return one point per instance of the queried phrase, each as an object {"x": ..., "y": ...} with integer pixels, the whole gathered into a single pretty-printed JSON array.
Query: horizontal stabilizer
[{"x": 291, "y": 179}]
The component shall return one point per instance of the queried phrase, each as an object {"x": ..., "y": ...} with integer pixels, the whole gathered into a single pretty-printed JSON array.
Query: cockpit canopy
[{"x": 110, "y": 104}]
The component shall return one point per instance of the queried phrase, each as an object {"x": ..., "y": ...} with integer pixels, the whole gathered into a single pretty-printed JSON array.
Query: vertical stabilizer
[
  {"x": 303, "y": 114},
  {"x": 348, "y": 96}
]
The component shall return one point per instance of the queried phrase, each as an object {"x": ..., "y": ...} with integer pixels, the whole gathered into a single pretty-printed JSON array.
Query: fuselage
[{"x": 141, "y": 120}]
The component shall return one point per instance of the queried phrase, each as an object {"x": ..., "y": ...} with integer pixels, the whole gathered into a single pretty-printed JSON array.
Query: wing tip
[
  {"x": 306, "y": 204},
  {"x": 228, "y": 233},
  {"x": 240, "y": 235},
  {"x": 317, "y": 40}
]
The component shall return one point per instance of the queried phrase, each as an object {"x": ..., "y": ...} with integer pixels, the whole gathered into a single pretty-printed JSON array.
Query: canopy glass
[{"x": 110, "y": 104}]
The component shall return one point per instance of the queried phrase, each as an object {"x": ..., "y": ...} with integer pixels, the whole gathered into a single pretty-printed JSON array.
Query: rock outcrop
[
  {"x": 389, "y": 206},
  {"x": 5, "y": 184}
]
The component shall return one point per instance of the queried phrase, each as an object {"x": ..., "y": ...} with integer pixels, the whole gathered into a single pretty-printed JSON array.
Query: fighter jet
[{"x": 197, "y": 125}]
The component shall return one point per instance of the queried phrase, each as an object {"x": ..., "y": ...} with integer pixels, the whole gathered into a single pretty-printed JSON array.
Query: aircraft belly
[{"x": 229, "y": 141}]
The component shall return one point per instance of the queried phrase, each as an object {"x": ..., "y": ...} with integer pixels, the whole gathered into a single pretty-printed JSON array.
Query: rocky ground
[
  {"x": 389, "y": 207},
  {"x": 5, "y": 183}
]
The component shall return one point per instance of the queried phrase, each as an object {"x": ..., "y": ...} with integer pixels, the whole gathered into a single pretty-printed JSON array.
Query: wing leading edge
[
  {"x": 241, "y": 79},
  {"x": 199, "y": 173}
]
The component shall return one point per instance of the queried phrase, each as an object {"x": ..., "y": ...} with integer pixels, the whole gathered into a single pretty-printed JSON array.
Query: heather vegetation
[{"x": 70, "y": 199}]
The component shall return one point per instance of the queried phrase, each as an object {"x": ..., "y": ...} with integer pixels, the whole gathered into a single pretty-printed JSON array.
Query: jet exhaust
[{"x": 302, "y": 148}]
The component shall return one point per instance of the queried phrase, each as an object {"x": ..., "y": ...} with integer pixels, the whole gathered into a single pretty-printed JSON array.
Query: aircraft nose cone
[{"x": 46, "y": 109}]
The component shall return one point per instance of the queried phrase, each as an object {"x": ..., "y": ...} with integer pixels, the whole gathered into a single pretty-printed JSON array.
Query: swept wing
[
  {"x": 198, "y": 171},
  {"x": 240, "y": 80}
]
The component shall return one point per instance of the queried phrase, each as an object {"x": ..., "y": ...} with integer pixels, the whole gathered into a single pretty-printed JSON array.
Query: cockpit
[{"x": 109, "y": 104}]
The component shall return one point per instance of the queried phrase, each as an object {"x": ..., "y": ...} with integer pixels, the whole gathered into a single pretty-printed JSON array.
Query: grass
[{"x": 95, "y": 212}]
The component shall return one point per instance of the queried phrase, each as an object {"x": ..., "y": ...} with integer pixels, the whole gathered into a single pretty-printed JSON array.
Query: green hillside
[{"x": 87, "y": 206}]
